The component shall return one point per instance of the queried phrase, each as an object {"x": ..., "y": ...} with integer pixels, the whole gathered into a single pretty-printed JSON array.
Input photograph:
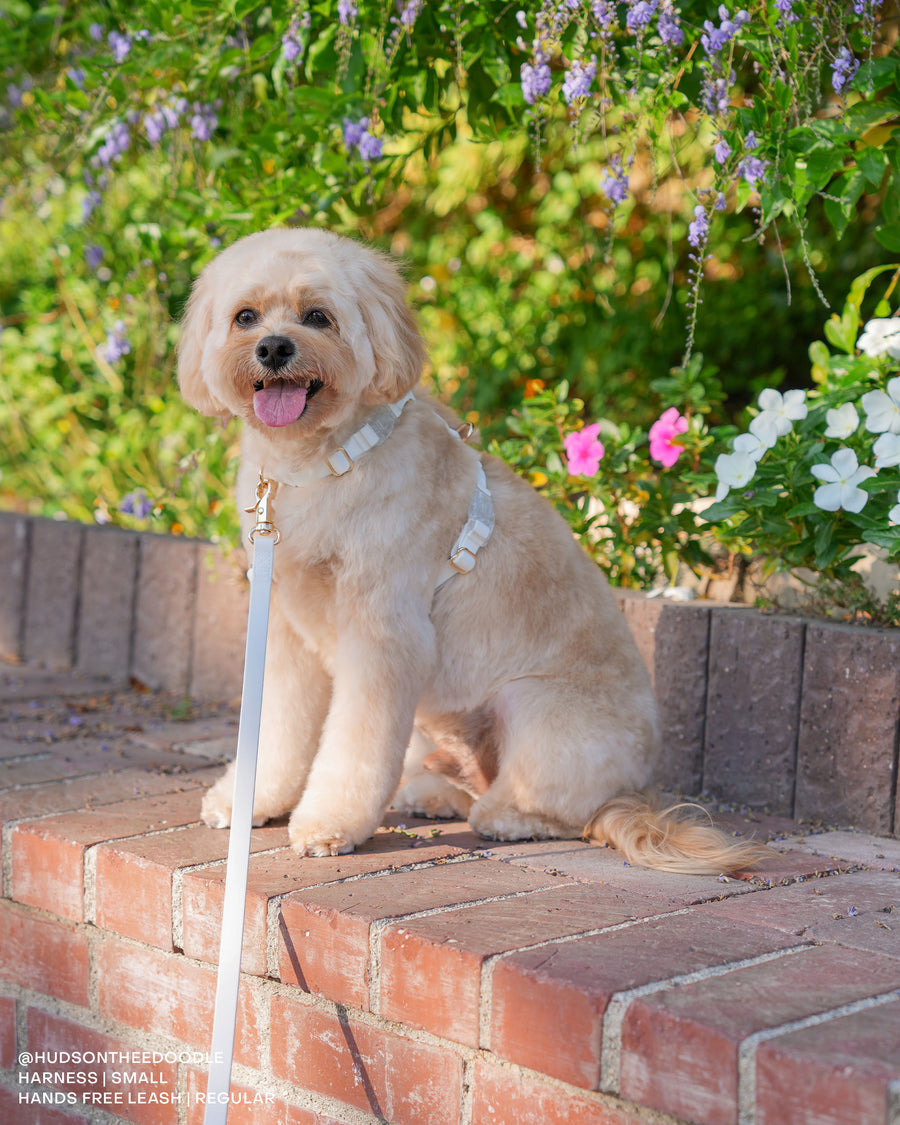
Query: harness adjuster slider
[
  {"x": 463, "y": 560},
  {"x": 339, "y": 462}
]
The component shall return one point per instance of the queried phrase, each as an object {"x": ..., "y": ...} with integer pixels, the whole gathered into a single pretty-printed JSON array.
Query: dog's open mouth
[{"x": 278, "y": 402}]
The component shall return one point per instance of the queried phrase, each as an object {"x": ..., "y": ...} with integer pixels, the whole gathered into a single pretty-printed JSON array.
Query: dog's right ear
[{"x": 196, "y": 325}]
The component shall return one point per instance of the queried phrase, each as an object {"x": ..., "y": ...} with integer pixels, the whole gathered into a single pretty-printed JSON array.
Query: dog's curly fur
[{"x": 515, "y": 693}]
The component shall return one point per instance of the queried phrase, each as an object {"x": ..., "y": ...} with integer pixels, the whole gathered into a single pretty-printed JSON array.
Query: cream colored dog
[{"x": 514, "y": 691}]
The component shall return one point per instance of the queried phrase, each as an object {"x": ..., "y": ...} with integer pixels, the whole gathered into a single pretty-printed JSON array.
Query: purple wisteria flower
[
  {"x": 640, "y": 13},
  {"x": 204, "y": 121},
  {"x": 93, "y": 255},
  {"x": 786, "y": 13},
  {"x": 89, "y": 205},
  {"x": 843, "y": 69},
  {"x": 698, "y": 231},
  {"x": 96, "y": 32},
  {"x": 290, "y": 48},
  {"x": 353, "y": 132},
  {"x": 136, "y": 504},
  {"x": 614, "y": 181},
  {"x": 409, "y": 13},
  {"x": 715, "y": 95},
  {"x": 721, "y": 150},
  {"x": 117, "y": 343},
  {"x": 752, "y": 169},
  {"x": 120, "y": 45},
  {"x": 370, "y": 148},
  {"x": 535, "y": 81},
  {"x": 605, "y": 14},
  {"x": 347, "y": 12},
  {"x": 116, "y": 142},
  {"x": 669, "y": 25},
  {"x": 715, "y": 38},
  {"x": 358, "y": 138},
  {"x": 577, "y": 83}
]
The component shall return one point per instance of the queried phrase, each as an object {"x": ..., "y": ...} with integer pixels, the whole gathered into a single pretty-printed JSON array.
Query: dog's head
[{"x": 297, "y": 327}]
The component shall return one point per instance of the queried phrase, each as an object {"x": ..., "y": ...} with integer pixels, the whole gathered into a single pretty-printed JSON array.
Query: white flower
[
  {"x": 894, "y": 513},
  {"x": 763, "y": 435},
  {"x": 782, "y": 410},
  {"x": 880, "y": 337},
  {"x": 883, "y": 409},
  {"x": 842, "y": 479},
  {"x": 734, "y": 470},
  {"x": 842, "y": 421},
  {"x": 887, "y": 451}
]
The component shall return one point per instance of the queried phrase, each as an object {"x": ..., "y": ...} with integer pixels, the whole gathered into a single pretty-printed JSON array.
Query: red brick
[
  {"x": 92, "y": 792},
  {"x": 146, "y": 1093},
  {"x": 7, "y": 1032},
  {"x": 431, "y": 967},
  {"x": 387, "y": 1075},
  {"x": 248, "y": 1106},
  {"x": 51, "y": 956},
  {"x": 280, "y": 873},
  {"x": 14, "y": 1109},
  {"x": 165, "y": 994},
  {"x": 509, "y": 1097},
  {"x": 77, "y": 757},
  {"x": 48, "y": 854},
  {"x": 134, "y": 877},
  {"x": 680, "y": 1046},
  {"x": 548, "y": 1004},
  {"x": 325, "y": 933},
  {"x": 835, "y": 1073},
  {"x": 849, "y": 909}
]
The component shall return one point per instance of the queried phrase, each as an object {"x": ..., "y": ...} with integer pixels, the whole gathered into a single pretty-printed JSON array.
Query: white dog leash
[
  {"x": 264, "y": 536},
  {"x": 463, "y": 556}
]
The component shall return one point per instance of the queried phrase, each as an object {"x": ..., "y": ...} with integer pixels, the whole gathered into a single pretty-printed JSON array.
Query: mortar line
[
  {"x": 748, "y": 1047},
  {"x": 798, "y": 720},
  {"x": 616, "y": 1009}
]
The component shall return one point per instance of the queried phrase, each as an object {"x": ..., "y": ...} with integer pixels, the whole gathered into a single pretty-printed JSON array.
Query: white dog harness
[{"x": 378, "y": 426}]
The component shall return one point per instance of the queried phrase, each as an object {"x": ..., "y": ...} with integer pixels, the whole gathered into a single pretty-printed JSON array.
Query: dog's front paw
[
  {"x": 309, "y": 836},
  {"x": 216, "y": 809}
]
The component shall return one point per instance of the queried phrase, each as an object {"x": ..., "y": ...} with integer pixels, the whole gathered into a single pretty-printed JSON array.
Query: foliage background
[{"x": 521, "y": 264}]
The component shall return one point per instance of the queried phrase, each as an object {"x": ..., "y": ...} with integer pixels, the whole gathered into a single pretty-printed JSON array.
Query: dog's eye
[
  {"x": 315, "y": 318},
  {"x": 245, "y": 318}
]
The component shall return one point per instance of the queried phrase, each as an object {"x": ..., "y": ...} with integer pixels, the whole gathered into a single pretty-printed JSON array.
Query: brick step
[
  {"x": 758, "y": 709},
  {"x": 431, "y": 978}
]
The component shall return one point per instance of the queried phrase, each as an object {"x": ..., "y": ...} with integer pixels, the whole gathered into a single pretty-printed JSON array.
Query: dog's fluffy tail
[{"x": 670, "y": 838}]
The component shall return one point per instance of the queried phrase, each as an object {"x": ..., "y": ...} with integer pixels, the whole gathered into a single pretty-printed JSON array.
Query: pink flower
[
  {"x": 583, "y": 451},
  {"x": 663, "y": 430}
]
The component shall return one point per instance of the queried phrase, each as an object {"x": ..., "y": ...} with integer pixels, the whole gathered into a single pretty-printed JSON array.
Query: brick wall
[
  {"x": 168, "y": 611},
  {"x": 797, "y": 717}
]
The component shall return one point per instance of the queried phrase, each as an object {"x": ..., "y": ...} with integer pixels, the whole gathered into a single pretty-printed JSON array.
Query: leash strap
[{"x": 264, "y": 537}]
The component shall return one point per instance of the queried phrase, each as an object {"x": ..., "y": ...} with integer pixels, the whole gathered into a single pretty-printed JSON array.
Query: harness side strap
[
  {"x": 231, "y": 940},
  {"x": 475, "y": 533}
]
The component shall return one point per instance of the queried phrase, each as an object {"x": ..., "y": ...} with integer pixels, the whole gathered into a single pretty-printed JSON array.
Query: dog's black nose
[{"x": 275, "y": 351}]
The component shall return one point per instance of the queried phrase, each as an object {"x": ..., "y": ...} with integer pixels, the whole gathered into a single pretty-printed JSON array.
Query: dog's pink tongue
[{"x": 280, "y": 404}]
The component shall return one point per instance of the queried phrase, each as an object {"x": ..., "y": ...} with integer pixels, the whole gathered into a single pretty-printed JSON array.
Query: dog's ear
[
  {"x": 196, "y": 325},
  {"x": 393, "y": 334}
]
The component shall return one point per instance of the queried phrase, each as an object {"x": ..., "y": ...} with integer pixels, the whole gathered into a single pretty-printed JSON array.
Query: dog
[{"x": 503, "y": 686}]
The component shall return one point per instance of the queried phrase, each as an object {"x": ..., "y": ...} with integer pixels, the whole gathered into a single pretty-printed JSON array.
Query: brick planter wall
[{"x": 798, "y": 717}]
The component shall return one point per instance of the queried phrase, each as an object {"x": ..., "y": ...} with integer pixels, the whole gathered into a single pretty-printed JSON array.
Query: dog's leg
[
  {"x": 423, "y": 793},
  {"x": 380, "y": 671},
  {"x": 565, "y": 748},
  {"x": 295, "y": 702}
]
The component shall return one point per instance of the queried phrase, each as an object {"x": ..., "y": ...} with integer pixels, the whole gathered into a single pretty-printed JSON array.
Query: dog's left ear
[
  {"x": 196, "y": 325},
  {"x": 393, "y": 334}
]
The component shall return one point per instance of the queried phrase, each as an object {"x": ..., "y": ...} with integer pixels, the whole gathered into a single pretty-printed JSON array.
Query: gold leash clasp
[{"x": 264, "y": 525}]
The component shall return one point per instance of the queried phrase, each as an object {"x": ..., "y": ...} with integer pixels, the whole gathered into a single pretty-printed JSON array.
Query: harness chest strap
[{"x": 378, "y": 426}]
